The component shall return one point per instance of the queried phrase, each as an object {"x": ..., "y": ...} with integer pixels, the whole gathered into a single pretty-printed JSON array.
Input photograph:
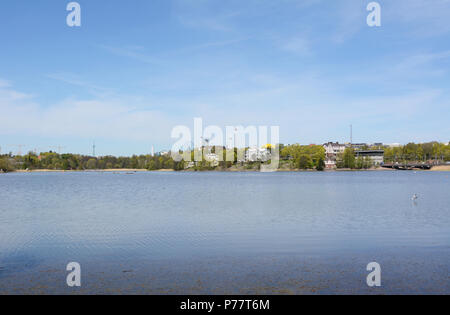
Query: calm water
[{"x": 225, "y": 232}]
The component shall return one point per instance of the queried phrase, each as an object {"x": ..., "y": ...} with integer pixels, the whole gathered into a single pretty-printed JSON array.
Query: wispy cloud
[
  {"x": 214, "y": 44},
  {"x": 423, "y": 18},
  {"x": 113, "y": 119},
  {"x": 163, "y": 57},
  {"x": 347, "y": 18},
  {"x": 220, "y": 23},
  {"x": 4, "y": 84},
  {"x": 205, "y": 15},
  {"x": 426, "y": 58},
  {"x": 77, "y": 81},
  {"x": 9, "y": 95},
  {"x": 134, "y": 52}
]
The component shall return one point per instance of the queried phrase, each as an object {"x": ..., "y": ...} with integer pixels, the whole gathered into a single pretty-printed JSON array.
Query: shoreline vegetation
[
  {"x": 439, "y": 168},
  {"x": 293, "y": 158}
]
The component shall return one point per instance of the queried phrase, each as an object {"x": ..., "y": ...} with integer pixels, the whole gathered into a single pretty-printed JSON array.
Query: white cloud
[
  {"x": 4, "y": 84},
  {"x": 108, "y": 119}
]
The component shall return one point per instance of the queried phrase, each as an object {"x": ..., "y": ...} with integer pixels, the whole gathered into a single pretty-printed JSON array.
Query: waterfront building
[
  {"x": 257, "y": 154},
  {"x": 332, "y": 149},
  {"x": 376, "y": 156},
  {"x": 360, "y": 146},
  {"x": 212, "y": 158}
]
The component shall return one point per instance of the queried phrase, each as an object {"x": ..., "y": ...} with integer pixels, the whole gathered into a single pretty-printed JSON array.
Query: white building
[
  {"x": 212, "y": 158},
  {"x": 376, "y": 156},
  {"x": 256, "y": 154}
]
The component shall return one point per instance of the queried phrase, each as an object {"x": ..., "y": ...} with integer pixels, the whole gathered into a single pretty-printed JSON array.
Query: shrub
[{"x": 6, "y": 165}]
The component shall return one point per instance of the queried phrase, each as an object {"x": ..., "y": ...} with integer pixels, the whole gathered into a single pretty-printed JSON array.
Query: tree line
[
  {"x": 409, "y": 153},
  {"x": 304, "y": 156},
  {"x": 422, "y": 152},
  {"x": 76, "y": 162},
  {"x": 349, "y": 160},
  {"x": 294, "y": 156}
]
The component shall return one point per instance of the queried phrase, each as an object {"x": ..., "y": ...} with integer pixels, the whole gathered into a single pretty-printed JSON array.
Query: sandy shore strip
[{"x": 441, "y": 168}]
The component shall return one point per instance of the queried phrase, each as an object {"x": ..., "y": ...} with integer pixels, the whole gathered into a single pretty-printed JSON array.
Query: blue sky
[{"x": 136, "y": 69}]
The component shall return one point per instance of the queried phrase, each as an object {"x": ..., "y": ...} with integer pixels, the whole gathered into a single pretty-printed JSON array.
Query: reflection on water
[{"x": 255, "y": 228}]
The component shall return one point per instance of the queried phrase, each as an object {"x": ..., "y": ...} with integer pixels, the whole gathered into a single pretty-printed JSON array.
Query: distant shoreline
[
  {"x": 119, "y": 170},
  {"x": 441, "y": 168}
]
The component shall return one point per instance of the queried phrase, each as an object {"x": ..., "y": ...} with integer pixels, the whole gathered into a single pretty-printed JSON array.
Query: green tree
[
  {"x": 91, "y": 164},
  {"x": 169, "y": 164},
  {"x": 349, "y": 158},
  {"x": 6, "y": 165},
  {"x": 309, "y": 156},
  {"x": 320, "y": 164},
  {"x": 420, "y": 153},
  {"x": 363, "y": 163},
  {"x": 151, "y": 166},
  {"x": 304, "y": 162}
]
